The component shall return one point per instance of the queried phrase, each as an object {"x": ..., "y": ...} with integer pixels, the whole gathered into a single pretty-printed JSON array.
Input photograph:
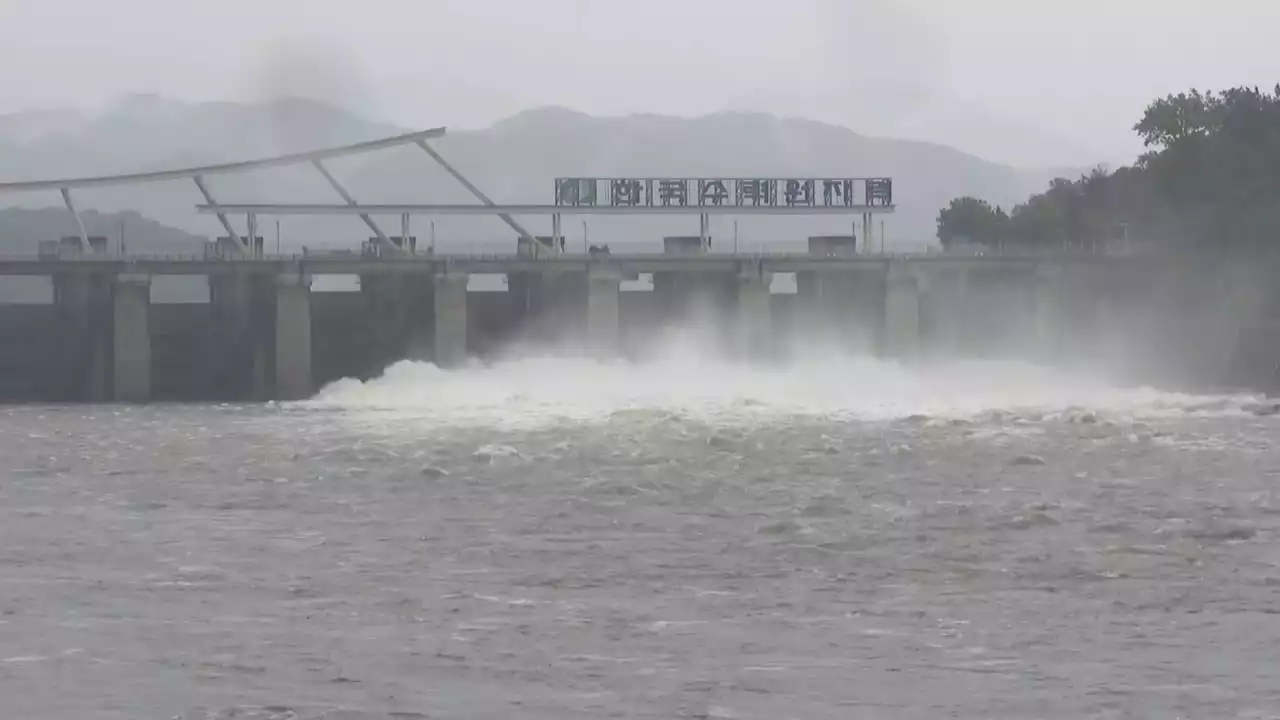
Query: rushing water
[{"x": 564, "y": 539}]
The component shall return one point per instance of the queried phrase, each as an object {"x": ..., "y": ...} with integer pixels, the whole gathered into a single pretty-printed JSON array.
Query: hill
[
  {"x": 22, "y": 229},
  {"x": 514, "y": 160}
]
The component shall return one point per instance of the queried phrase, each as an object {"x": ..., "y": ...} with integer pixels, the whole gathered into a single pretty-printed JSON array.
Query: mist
[
  {"x": 1148, "y": 345},
  {"x": 1029, "y": 84}
]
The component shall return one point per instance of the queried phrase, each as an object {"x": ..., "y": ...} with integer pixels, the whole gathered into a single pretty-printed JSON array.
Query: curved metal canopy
[
  {"x": 222, "y": 168},
  {"x": 315, "y": 157}
]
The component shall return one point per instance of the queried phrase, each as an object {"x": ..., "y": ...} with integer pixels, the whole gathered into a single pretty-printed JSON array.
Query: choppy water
[{"x": 560, "y": 539}]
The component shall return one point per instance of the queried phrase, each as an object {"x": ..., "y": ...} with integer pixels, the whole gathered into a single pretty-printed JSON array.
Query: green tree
[
  {"x": 1209, "y": 182},
  {"x": 1178, "y": 118},
  {"x": 1220, "y": 176},
  {"x": 973, "y": 220}
]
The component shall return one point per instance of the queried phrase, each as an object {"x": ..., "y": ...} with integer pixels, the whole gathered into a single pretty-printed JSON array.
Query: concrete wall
[
  {"x": 183, "y": 352},
  {"x": 343, "y": 339},
  {"x": 260, "y": 338},
  {"x": 31, "y": 366}
]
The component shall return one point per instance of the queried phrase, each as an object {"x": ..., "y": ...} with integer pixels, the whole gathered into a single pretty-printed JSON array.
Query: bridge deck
[{"x": 342, "y": 264}]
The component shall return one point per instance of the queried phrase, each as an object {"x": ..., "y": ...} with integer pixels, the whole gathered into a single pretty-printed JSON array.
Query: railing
[{"x": 356, "y": 258}]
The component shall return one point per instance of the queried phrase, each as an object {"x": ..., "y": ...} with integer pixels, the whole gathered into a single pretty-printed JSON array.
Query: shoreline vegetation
[{"x": 1207, "y": 185}]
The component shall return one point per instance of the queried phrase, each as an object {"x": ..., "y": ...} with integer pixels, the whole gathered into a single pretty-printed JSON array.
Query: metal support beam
[
  {"x": 556, "y": 233},
  {"x": 704, "y": 231},
  {"x": 84, "y": 236},
  {"x": 222, "y": 217},
  {"x": 251, "y": 221},
  {"x": 404, "y": 230},
  {"x": 222, "y": 169},
  {"x": 510, "y": 221},
  {"x": 545, "y": 210},
  {"x": 350, "y": 201}
]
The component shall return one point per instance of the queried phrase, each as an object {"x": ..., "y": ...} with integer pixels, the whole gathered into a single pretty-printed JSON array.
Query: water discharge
[{"x": 548, "y": 389}]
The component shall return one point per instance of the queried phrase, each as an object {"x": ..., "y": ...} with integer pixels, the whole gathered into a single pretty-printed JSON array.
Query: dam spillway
[{"x": 266, "y": 334}]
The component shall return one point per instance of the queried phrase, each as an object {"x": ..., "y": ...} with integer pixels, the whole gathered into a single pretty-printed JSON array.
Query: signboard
[
  {"x": 575, "y": 191},
  {"x": 724, "y": 192}
]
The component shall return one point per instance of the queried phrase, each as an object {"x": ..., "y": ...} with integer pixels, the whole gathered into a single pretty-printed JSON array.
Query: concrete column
[
  {"x": 1089, "y": 288},
  {"x": 831, "y": 297},
  {"x": 239, "y": 356},
  {"x": 603, "y": 335},
  {"x": 754, "y": 313},
  {"x": 901, "y": 312},
  {"x": 83, "y": 302},
  {"x": 1243, "y": 294},
  {"x": 418, "y": 293},
  {"x": 131, "y": 338},
  {"x": 831, "y": 303},
  {"x": 385, "y": 302},
  {"x": 950, "y": 309},
  {"x": 293, "y": 379},
  {"x": 1247, "y": 288},
  {"x": 1048, "y": 310},
  {"x": 549, "y": 304},
  {"x": 690, "y": 295},
  {"x": 451, "y": 319}
]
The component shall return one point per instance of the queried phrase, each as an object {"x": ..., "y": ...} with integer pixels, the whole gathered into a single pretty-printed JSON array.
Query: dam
[
  {"x": 265, "y": 334},
  {"x": 265, "y": 331}
]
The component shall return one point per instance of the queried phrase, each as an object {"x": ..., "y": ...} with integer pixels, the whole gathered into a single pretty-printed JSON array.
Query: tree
[
  {"x": 1177, "y": 118},
  {"x": 973, "y": 220},
  {"x": 1221, "y": 175},
  {"x": 1208, "y": 183}
]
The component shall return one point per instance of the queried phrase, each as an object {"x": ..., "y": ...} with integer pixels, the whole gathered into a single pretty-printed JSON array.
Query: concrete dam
[{"x": 264, "y": 333}]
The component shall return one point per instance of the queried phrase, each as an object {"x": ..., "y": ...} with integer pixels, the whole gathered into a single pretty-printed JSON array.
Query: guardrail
[{"x": 568, "y": 256}]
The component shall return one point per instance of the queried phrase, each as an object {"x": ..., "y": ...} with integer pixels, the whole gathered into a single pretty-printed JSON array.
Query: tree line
[{"x": 1209, "y": 181}]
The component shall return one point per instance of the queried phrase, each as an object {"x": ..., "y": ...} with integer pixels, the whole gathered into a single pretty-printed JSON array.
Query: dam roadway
[{"x": 341, "y": 263}]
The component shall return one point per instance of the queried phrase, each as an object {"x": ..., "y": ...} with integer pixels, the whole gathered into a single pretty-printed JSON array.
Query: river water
[{"x": 563, "y": 539}]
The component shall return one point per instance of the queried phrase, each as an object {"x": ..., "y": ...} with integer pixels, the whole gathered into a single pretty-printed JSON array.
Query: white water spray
[{"x": 688, "y": 381}]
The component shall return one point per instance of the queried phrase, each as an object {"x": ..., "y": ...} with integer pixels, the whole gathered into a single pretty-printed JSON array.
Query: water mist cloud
[{"x": 690, "y": 378}]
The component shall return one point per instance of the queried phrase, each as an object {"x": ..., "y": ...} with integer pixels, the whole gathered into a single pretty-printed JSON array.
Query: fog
[
  {"x": 1134, "y": 338},
  {"x": 1028, "y": 83}
]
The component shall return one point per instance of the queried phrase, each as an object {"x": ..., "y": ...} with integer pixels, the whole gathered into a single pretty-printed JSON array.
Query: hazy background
[
  {"x": 1005, "y": 95},
  {"x": 552, "y": 538},
  {"x": 1057, "y": 83}
]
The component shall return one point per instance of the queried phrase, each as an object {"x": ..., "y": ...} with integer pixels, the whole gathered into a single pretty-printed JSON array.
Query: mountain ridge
[{"x": 513, "y": 160}]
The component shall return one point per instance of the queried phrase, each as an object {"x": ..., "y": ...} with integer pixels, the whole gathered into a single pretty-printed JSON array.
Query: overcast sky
[{"x": 1079, "y": 69}]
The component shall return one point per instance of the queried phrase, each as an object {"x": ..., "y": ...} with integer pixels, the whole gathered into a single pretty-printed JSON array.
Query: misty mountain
[
  {"x": 971, "y": 128},
  {"x": 514, "y": 160},
  {"x": 22, "y": 229},
  {"x": 934, "y": 117}
]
